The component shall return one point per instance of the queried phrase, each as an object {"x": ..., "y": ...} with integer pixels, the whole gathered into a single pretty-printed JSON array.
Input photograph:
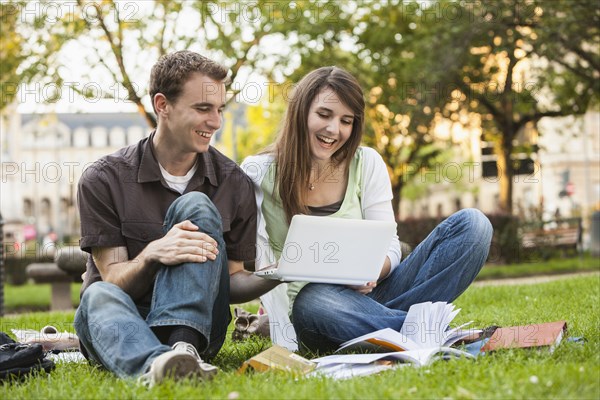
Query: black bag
[{"x": 18, "y": 360}]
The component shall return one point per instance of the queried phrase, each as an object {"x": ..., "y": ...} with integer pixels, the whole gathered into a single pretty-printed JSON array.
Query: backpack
[{"x": 18, "y": 360}]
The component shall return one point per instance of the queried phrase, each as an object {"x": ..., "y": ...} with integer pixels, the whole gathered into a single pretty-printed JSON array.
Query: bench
[
  {"x": 59, "y": 281},
  {"x": 564, "y": 234},
  {"x": 68, "y": 266}
]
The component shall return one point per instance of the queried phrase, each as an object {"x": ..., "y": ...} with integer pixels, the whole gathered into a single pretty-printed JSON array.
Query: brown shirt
[{"x": 123, "y": 199}]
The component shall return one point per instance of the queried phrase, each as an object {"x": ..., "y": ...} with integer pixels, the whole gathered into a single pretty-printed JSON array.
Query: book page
[
  {"x": 427, "y": 323},
  {"x": 426, "y": 326},
  {"x": 386, "y": 337},
  {"x": 346, "y": 371}
]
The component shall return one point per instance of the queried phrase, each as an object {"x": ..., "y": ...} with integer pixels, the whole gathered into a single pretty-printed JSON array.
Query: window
[{"x": 27, "y": 208}]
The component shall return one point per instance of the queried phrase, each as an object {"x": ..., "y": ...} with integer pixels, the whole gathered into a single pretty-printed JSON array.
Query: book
[
  {"x": 278, "y": 358},
  {"x": 360, "y": 364},
  {"x": 424, "y": 337},
  {"x": 548, "y": 334},
  {"x": 426, "y": 326}
]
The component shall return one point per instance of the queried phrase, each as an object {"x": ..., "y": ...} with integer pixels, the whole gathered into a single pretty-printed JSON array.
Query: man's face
[{"x": 196, "y": 115}]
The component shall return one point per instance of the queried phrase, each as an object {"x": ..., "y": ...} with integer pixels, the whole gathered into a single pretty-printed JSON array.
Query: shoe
[
  {"x": 205, "y": 370},
  {"x": 174, "y": 364},
  {"x": 247, "y": 324}
]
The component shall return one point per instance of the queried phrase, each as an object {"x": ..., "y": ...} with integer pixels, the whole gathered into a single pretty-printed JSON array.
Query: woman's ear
[{"x": 160, "y": 104}]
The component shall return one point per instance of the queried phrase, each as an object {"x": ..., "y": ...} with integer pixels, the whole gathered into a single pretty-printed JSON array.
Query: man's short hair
[{"x": 173, "y": 70}]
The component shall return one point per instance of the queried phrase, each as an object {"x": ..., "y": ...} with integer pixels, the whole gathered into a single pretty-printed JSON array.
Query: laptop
[{"x": 332, "y": 250}]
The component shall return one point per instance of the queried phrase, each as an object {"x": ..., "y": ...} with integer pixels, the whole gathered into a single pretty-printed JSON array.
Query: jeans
[
  {"x": 117, "y": 333},
  {"x": 439, "y": 269}
]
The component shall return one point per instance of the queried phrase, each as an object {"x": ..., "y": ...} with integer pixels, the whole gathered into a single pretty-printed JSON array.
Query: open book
[
  {"x": 426, "y": 327},
  {"x": 424, "y": 337},
  {"x": 363, "y": 364}
]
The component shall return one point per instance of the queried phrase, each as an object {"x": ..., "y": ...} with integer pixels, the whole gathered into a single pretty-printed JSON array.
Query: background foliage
[{"x": 496, "y": 66}]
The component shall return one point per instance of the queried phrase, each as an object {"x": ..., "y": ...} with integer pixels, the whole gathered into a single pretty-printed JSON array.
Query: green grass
[
  {"x": 584, "y": 263},
  {"x": 36, "y": 297},
  {"x": 33, "y": 297},
  {"x": 571, "y": 371}
]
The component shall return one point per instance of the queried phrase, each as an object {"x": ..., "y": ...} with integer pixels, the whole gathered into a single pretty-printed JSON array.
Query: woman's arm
[{"x": 376, "y": 201}]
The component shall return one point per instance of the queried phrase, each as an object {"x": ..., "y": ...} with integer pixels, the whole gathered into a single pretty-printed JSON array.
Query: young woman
[{"x": 317, "y": 166}]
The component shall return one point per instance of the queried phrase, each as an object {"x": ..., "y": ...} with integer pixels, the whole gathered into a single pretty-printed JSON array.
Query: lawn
[
  {"x": 36, "y": 297},
  {"x": 571, "y": 371},
  {"x": 555, "y": 266}
]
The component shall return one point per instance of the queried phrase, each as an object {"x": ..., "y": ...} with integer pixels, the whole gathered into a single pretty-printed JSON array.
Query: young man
[{"x": 168, "y": 222}]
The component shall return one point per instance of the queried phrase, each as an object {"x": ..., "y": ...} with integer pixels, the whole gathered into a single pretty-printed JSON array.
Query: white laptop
[{"x": 332, "y": 250}]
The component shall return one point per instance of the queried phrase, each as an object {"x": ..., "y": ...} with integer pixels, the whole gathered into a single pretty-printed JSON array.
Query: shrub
[{"x": 505, "y": 247}]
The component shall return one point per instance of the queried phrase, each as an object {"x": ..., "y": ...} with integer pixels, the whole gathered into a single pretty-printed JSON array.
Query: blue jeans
[
  {"x": 439, "y": 269},
  {"x": 116, "y": 332}
]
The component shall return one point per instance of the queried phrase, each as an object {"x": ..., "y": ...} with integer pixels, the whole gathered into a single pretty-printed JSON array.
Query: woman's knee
[
  {"x": 317, "y": 302},
  {"x": 476, "y": 223}
]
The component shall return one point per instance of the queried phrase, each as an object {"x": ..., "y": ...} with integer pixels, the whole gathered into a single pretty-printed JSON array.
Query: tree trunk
[
  {"x": 396, "y": 189},
  {"x": 505, "y": 173}
]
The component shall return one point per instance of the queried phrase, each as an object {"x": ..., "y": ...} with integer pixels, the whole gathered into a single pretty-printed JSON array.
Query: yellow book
[{"x": 278, "y": 358}]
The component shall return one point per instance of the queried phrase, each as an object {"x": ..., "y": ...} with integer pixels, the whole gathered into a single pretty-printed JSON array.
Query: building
[
  {"x": 43, "y": 156},
  {"x": 563, "y": 179}
]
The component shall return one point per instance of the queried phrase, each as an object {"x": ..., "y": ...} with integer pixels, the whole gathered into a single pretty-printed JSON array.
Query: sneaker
[
  {"x": 205, "y": 370},
  {"x": 172, "y": 364}
]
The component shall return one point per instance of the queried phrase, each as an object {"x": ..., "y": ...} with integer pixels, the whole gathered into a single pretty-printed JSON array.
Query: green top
[{"x": 276, "y": 223}]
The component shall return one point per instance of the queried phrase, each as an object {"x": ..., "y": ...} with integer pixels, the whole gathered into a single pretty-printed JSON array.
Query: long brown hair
[{"x": 292, "y": 147}]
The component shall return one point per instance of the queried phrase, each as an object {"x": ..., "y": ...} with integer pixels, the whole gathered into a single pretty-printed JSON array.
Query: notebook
[
  {"x": 332, "y": 250},
  {"x": 548, "y": 334}
]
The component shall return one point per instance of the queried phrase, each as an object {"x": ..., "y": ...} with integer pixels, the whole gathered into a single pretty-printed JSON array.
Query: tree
[
  {"x": 505, "y": 70},
  {"x": 384, "y": 54},
  {"x": 241, "y": 139},
  {"x": 29, "y": 44},
  {"x": 120, "y": 37},
  {"x": 570, "y": 39},
  {"x": 11, "y": 44}
]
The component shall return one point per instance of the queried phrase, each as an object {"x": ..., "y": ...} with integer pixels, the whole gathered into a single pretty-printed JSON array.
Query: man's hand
[
  {"x": 364, "y": 289},
  {"x": 183, "y": 243}
]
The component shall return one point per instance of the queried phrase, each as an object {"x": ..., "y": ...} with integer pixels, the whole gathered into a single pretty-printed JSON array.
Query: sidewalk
[{"x": 531, "y": 280}]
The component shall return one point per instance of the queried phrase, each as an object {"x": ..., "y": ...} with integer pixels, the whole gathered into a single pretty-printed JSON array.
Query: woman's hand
[{"x": 364, "y": 289}]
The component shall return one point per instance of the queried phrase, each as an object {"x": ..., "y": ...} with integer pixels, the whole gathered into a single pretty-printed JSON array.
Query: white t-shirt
[{"x": 178, "y": 183}]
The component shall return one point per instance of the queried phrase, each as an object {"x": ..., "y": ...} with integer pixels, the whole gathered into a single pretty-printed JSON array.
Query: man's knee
[
  {"x": 98, "y": 294},
  {"x": 193, "y": 199},
  {"x": 195, "y": 206}
]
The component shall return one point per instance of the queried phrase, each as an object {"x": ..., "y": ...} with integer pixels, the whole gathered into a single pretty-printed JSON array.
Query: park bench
[
  {"x": 563, "y": 234},
  {"x": 68, "y": 265}
]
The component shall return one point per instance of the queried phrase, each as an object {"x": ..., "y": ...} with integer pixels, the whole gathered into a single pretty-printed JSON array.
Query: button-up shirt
[{"x": 123, "y": 199}]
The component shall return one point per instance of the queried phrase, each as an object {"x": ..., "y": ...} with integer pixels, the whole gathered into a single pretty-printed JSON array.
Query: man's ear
[{"x": 160, "y": 104}]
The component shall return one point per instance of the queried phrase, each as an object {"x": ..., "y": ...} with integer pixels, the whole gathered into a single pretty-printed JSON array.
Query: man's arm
[
  {"x": 244, "y": 285},
  {"x": 183, "y": 243},
  {"x": 133, "y": 276}
]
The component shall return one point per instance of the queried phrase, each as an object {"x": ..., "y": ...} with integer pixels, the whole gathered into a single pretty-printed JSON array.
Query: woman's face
[{"x": 329, "y": 125}]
